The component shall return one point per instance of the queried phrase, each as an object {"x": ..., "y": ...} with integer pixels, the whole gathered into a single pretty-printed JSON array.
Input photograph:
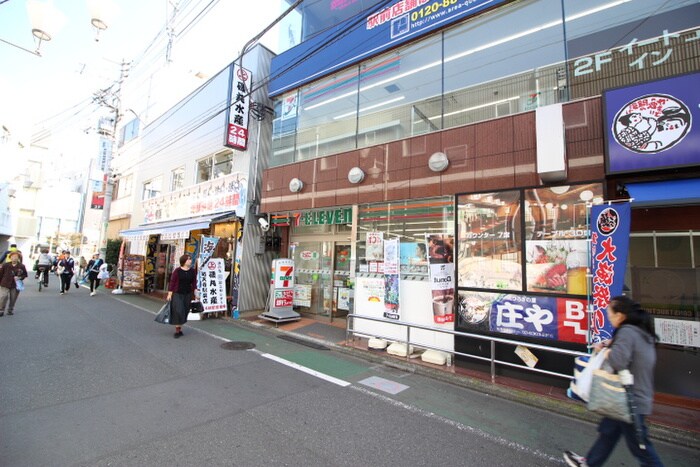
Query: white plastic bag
[{"x": 581, "y": 385}]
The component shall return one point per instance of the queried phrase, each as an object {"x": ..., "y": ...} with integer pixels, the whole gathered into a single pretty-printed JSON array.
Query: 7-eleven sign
[{"x": 283, "y": 273}]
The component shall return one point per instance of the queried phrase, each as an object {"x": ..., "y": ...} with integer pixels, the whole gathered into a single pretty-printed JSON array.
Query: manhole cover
[{"x": 237, "y": 345}]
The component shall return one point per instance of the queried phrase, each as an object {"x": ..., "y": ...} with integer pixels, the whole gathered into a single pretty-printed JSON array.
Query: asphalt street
[{"x": 95, "y": 381}]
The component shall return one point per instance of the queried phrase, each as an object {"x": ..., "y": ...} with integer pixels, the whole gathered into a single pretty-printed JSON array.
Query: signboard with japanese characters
[
  {"x": 239, "y": 106},
  {"x": 442, "y": 280},
  {"x": 539, "y": 317},
  {"x": 610, "y": 230},
  {"x": 650, "y": 126},
  {"x": 212, "y": 292},
  {"x": 223, "y": 194}
]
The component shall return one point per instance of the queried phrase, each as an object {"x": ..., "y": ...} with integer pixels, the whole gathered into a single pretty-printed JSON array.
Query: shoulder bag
[{"x": 608, "y": 395}]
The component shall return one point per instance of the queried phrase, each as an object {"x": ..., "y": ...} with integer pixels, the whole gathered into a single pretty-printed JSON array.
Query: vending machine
[{"x": 280, "y": 302}]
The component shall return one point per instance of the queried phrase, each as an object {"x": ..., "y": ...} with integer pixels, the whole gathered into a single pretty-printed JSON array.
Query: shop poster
[
  {"x": 391, "y": 279},
  {"x": 208, "y": 247},
  {"x": 212, "y": 292},
  {"x": 374, "y": 246},
  {"x": 610, "y": 233},
  {"x": 442, "y": 276}
]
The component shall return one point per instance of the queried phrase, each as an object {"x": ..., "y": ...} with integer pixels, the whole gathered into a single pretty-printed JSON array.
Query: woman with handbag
[
  {"x": 631, "y": 348},
  {"x": 182, "y": 288}
]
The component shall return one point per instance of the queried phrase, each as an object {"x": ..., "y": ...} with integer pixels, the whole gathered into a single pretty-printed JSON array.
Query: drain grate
[{"x": 237, "y": 345}]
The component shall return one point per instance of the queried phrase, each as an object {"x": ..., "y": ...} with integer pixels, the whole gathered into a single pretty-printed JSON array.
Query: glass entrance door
[{"x": 314, "y": 276}]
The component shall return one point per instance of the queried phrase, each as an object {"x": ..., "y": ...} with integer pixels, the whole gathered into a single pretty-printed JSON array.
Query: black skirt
[{"x": 179, "y": 308}]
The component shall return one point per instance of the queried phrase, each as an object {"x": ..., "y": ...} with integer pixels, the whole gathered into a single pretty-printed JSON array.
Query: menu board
[{"x": 132, "y": 272}]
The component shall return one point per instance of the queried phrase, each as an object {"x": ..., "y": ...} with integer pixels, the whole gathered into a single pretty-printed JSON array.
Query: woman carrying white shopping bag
[{"x": 631, "y": 348}]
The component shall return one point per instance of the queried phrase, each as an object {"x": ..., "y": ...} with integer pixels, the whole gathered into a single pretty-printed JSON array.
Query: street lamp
[{"x": 101, "y": 14}]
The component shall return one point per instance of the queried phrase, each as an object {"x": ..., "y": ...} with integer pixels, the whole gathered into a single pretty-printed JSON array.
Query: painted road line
[{"x": 307, "y": 370}]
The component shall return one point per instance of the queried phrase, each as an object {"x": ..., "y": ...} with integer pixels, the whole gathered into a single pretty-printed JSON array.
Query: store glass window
[
  {"x": 284, "y": 128},
  {"x": 400, "y": 93},
  {"x": 412, "y": 222},
  {"x": 499, "y": 64},
  {"x": 327, "y": 116}
]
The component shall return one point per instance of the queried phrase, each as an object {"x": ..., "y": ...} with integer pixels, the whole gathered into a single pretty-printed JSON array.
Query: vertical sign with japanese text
[
  {"x": 610, "y": 230},
  {"x": 239, "y": 107},
  {"x": 212, "y": 292}
]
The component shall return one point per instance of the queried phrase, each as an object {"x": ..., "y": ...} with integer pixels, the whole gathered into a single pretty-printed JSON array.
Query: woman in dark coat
[{"x": 183, "y": 287}]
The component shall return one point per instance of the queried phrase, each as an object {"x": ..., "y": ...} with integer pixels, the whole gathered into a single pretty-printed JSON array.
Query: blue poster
[{"x": 610, "y": 233}]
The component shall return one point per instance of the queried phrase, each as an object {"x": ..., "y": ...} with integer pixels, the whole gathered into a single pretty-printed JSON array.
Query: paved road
[{"x": 95, "y": 381}]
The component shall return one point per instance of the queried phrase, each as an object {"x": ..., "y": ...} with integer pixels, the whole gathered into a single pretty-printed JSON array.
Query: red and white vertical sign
[{"x": 237, "y": 136}]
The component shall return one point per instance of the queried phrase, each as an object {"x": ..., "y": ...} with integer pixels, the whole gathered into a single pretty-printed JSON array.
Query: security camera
[{"x": 264, "y": 224}]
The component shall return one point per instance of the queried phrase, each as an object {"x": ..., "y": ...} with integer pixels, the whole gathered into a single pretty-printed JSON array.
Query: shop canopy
[
  {"x": 665, "y": 193},
  {"x": 175, "y": 229}
]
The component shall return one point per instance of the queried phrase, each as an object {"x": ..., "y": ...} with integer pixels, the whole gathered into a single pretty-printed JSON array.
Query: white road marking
[{"x": 309, "y": 371}]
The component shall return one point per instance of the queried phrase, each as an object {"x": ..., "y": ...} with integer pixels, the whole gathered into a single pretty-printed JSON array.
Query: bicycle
[{"x": 40, "y": 282}]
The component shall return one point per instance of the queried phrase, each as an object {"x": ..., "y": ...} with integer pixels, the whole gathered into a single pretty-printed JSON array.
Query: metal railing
[{"x": 349, "y": 330}]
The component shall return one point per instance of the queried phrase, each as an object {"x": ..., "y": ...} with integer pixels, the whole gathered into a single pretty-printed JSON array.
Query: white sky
[{"x": 73, "y": 65}]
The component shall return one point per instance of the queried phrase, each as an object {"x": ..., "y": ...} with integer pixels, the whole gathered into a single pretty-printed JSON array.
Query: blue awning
[{"x": 666, "y": 193}]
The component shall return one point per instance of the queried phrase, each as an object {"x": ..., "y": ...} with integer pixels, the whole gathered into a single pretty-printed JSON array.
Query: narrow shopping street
[{"x": 95, "y": 381}]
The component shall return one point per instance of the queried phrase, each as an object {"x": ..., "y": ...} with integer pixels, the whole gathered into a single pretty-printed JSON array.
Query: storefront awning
[
  {"x": 173, "y": 230},
  {"x": 666, "y": 193}
]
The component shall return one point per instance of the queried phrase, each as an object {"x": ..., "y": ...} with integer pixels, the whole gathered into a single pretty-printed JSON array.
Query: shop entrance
[
  {"x": 322, "y": 277},
  {"x": 163, "y": 266}
]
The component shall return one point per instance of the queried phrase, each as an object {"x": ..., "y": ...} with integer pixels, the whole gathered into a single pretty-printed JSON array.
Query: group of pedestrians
[{"x": 13, "y": 273}]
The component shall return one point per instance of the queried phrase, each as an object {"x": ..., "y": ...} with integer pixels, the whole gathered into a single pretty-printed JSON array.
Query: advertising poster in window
[
  {"x": 369, "y": 296},
  {"x": 442, "y": 271},
  {"x": 414, "y": 258},
  {"x": 302, "y": 295},
  {"x": 540, "y": 317},
  {"x": 391, "y": 278},
  {"x": 212, "y": 293},
  {"x": 556, "y": 247},
  {"x": 375, "y": 246},
  {"x": 489, "y": 232},
  {"x": 610, "y": 233}
]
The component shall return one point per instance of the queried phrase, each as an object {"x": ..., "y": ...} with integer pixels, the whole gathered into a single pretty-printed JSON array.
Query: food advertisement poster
[
  {"x": 442, "y": 282},
  {"x": 391, "y": 278},
  {"x": 540, "y": 317},
  {"x": 490, "y": 241}
]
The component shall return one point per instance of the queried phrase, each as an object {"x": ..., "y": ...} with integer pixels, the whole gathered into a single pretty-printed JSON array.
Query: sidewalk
[{"x": 672, "y": 423}]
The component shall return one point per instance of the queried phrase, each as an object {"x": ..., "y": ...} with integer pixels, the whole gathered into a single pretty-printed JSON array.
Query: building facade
[
  {"x": 479, "y": 134},
  {"x": 188, "y": 177}
]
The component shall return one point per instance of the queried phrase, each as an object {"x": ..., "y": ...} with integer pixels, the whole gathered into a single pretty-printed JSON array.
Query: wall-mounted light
[
  {"x": 295, "y": 185},
  {"x": 356, "y": 175},
  {"x": 438, "y": 162}
]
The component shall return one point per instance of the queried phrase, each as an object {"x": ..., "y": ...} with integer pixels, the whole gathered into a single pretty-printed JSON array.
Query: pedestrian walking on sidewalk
[
  {"x": 631, "y": 348},
  {"x": 182, "y": 288},
  {"x": 65, "y": 269},
  {"x": 93, "y": 271},
  {"x": 12, "y": 275}
]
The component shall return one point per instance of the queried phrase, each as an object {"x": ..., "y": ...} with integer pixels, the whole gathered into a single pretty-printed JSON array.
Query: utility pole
[{"x": 101, "y": 97}]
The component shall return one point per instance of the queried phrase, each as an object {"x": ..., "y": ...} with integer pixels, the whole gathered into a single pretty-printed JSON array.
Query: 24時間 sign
[{"x": 239, "y": 107}]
